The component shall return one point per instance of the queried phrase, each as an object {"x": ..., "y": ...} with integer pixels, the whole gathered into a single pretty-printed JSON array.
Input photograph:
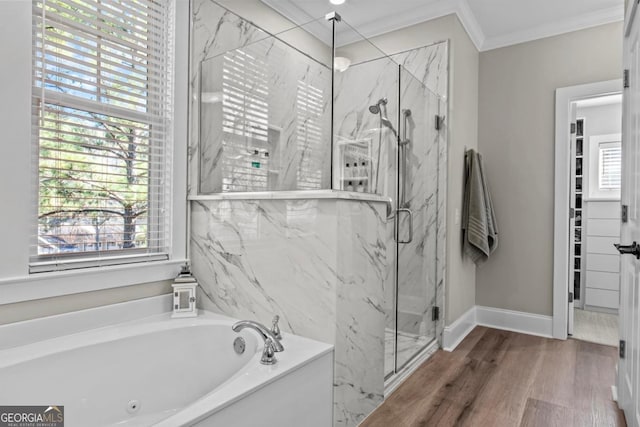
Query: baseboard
[
  {"x": 516, "y": 321},
  {"x": 458, "y": 330},
  {"x": 497, "y": 318}
]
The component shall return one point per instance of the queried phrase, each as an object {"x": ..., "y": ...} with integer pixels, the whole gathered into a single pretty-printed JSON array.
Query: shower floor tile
[{"x": 408, "y": 346}]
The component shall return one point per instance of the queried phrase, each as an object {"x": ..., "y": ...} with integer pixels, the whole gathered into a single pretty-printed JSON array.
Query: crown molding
[
  {"x": 290, "y": 10},
  {"x": 470, "y": 23},
  {"x": 439, "y": 8},
  {"x": 418, "y": 15},
  {"x": 579, "y": 22}
]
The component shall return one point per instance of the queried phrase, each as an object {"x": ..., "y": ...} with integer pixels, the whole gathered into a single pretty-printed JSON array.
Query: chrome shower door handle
[{"x": 410, "y": 212}]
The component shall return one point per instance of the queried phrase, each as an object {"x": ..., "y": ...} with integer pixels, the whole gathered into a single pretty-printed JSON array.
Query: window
[
  {"x": 609, "y": 165},
  {"x": 101, "y": 120},
  {"x": 604, "y": 167}
]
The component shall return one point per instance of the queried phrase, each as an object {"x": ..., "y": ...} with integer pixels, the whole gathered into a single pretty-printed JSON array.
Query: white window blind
[
  {"x": 245, "y": 120},
  {"x": 102, "y": 131},
  {"x": 309, "y": 115},
  {"x": 609, "y": 165},
  {"x": 257, "y": 124}
]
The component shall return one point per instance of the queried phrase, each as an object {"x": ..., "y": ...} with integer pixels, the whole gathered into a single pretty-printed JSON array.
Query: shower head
[{"x": 375, "y": 109}]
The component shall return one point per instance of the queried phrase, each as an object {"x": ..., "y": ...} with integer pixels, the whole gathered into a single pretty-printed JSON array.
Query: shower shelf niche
[{"x": 354, "y": 164}]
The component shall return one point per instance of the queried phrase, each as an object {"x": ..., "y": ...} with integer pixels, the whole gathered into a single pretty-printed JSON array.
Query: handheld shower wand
[{"x": 380, "y": 107}]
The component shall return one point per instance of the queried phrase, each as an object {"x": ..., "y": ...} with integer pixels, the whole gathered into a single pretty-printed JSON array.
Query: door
[
  {"x": 417, "y": 219},
  {"x": 628, "y": 366},
  {"x": 573, "y": 237}
]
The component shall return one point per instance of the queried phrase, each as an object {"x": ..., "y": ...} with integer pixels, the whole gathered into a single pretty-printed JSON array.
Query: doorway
[
  {"x": 587, "y": 212},
  {"x": 595, "y": 193}
]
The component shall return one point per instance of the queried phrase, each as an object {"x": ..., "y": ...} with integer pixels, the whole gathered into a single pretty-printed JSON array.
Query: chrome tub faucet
[{"x": 272, "y": 344}]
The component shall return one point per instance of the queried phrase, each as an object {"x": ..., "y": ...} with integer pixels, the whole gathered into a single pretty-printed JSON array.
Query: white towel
[{"x": 479, "y": 227}]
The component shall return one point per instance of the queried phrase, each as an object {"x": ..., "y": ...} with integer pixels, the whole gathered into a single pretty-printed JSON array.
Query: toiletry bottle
[
  {"x": 347, "y": 171},
  {"x": 349, "y": 186}
]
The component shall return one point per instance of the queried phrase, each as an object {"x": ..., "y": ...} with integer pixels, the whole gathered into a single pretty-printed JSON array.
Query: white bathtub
[{"x": 168, "y": 372}]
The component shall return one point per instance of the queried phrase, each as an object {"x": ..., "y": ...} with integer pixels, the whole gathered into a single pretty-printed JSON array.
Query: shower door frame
[{"x": 402, "y": 175}]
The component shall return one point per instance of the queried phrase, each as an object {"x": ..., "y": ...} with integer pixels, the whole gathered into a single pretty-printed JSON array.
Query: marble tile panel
[
  {"x": 429, "y": 64},
  {"x": 319, "y": 264},
  {"x": 260, "y": 110}
]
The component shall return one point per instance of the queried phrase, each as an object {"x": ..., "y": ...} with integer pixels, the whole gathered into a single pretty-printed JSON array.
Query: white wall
[
  {"x": 34, "y": 292},
  {"x": 516, "y": 138}
]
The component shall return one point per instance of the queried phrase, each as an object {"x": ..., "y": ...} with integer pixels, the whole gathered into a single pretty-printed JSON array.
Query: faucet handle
[
  {"x": 269, "y": 353},
  {"x": 275, "y": 329}
]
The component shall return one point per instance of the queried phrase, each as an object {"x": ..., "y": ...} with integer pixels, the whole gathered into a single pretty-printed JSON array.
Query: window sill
[{"x": 46, "y": 285}]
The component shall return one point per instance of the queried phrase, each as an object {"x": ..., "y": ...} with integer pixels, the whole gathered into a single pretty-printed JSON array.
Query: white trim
[
  {"x": 516, "y": 321},
  {"x": 437, "y": 9},
  {"x": 471, "y": 25},
  {"x": 47, "y": 285},
  {"x": 458, "y": 330},
  {"x": 395, "y": 21},
  {"x": 579, "y": 22},
  {"x": 564, "y": 96},
  {"x": 497, "y": 318}
]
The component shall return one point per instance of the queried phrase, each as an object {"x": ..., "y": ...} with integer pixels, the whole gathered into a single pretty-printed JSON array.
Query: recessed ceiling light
[{"x": 336, "y": 1}]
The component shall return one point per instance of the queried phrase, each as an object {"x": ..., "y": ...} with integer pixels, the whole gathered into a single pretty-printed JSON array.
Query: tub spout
[{"x": 268, "y": 337}]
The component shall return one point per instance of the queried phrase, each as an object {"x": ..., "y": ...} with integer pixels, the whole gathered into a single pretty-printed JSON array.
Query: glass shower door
[{"x": 416, "y": 234}]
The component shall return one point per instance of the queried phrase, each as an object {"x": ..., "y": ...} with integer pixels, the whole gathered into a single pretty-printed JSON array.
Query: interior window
[{"x": 101, "y": 120}]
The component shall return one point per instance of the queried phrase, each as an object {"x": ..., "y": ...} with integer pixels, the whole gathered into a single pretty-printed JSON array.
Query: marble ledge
[{"x": 295, "y": 195}]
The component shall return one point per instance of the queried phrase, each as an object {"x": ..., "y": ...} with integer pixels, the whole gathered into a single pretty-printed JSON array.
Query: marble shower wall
[
  {"x": 260, "y": 111},
  {"x": 422, "y": 87},
  {"x": 424, "y": 258},
  {"x": 428, "y": 64},
  {"x": 323, "y": 265},
  {"x": 358, "y": 88},
  {"x": 319, "y": 264}
]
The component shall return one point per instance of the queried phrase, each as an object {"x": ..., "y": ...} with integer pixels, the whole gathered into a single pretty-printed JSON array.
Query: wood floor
[{"x": 499, "y": 378}]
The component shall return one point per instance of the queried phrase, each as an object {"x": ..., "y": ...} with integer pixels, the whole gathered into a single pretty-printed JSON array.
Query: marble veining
[
  {"x": 429, "y": 65},
  {"x": 422, "y": 80},
  {"x": 261, "y": 110},
  {"x": 319, "y": 264},
  {"x": 325, "y": 264}
]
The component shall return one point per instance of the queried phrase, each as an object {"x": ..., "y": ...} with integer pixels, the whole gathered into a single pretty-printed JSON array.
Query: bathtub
[{"x": 158, "y": 371}]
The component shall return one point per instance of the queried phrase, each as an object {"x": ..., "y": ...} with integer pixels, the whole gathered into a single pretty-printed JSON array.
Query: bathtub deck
[{"x": 499, "y": 378}]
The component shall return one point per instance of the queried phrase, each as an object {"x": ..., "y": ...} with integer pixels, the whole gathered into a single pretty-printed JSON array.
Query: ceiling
[{"x": 489, "y": 23}]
